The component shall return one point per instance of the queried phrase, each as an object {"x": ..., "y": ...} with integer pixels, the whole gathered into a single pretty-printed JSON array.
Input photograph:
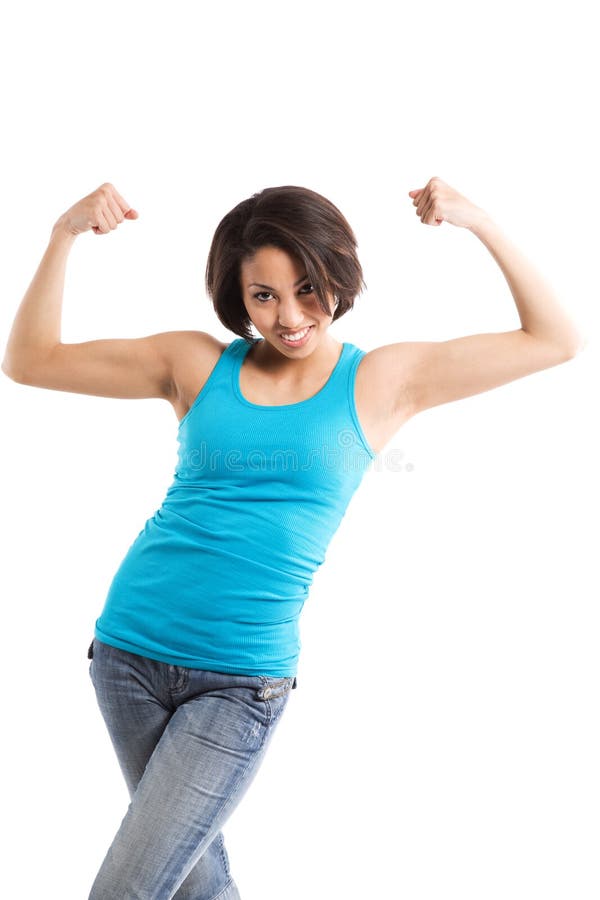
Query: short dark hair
[{"x": 295, "y": 219}]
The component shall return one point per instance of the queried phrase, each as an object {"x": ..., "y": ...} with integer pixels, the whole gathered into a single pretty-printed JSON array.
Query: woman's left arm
[
  {"x": 540, "y": 313},
  {"x": 423, "y": 374}
]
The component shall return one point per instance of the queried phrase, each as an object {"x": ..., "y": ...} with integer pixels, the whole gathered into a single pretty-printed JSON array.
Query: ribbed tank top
[{"x": 217, "y": 577}]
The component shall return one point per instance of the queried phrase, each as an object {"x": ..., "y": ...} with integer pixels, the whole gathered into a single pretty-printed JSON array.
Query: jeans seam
[
  {"x": 223, "y": 857},
  {"x": 222, "y": 891}
]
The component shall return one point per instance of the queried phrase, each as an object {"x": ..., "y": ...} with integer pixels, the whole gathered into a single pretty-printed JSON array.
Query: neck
[{"x": 324, "y": 355}]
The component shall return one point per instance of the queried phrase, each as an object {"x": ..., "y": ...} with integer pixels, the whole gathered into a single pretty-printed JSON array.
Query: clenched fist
[
  {"x": 101, "y": 211},
  {"x": 437, "y": 202}
]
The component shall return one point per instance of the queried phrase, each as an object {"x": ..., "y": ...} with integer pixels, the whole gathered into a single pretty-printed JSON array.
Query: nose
[{"x": 291, "y": 314}]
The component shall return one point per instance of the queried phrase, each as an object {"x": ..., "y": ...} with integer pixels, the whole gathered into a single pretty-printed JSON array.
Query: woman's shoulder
[
  {"x": 190, "y": 351},
  {"x": 194, "y": 355}
]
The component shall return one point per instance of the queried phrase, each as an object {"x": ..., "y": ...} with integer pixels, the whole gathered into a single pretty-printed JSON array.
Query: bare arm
[
  {"x": 37, "y": 324},
  {"x": 425, "y": 374},
  {"x": 35, "y": 355},
  {"x": 542, "y": 315}
]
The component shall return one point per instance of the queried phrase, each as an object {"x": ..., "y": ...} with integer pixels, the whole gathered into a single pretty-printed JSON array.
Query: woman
[{"x": 195, "y": 652}]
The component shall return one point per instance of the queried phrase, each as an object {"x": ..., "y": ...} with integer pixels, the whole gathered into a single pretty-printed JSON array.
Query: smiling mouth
[
  {"x": 296, "y": 331},
  {"x": 296, "y": 337}
]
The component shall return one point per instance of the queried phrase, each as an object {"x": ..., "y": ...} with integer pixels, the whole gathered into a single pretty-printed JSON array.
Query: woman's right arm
[{"x": 35, "y": 355}]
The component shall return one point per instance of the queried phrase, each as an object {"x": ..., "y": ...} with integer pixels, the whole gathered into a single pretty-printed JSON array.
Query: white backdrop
[{"x": 443, "y": 740}]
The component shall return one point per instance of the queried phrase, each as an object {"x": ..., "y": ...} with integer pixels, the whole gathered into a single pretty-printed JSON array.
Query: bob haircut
[{"x": 304, "y": 224}]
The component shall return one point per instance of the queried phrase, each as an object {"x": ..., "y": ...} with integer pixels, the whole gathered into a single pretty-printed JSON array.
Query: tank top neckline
[{"x": 235, "y": 377}]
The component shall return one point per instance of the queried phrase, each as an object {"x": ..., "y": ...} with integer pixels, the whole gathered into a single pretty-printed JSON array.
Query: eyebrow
[{"x": 296, "y": 283}]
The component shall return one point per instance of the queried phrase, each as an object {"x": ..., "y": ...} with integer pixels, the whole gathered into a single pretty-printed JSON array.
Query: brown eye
[{"x": 259, "y": 294}]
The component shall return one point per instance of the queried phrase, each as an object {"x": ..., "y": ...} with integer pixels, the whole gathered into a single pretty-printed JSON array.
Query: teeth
[{"x": 297, "y": 336}]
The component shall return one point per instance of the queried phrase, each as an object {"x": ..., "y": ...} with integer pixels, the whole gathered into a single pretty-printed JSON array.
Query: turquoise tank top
[{"x": 217, "y": 577}]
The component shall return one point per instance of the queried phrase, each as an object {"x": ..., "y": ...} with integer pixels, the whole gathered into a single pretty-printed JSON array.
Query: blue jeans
[{"x": 189, "y": 743}]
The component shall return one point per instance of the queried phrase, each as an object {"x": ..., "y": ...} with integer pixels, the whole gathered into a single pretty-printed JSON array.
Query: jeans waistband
[{"x": 90, "y": 655}]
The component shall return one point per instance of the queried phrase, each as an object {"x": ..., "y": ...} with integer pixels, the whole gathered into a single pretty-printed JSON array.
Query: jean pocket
[
  {"x": 90, "y": 653},
  {"x": 273, "y": 687}
]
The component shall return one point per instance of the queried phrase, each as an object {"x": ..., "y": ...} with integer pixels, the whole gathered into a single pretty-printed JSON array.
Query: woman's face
[{"x": 280, "y": 300}]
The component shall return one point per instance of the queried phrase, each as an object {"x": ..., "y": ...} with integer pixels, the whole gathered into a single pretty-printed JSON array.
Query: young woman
[{"x": 195, "y": 652}]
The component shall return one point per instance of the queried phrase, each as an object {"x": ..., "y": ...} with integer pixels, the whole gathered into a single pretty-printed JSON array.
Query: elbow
[
  {"x": 8, "y": 371},
  {"x": 578, "y": 341},
  {"x": 571, "y": 348},
  {"x": 13, "y": 373},
  {"x": 577, "y": 346},
  {"x": 564, "y": 347}
]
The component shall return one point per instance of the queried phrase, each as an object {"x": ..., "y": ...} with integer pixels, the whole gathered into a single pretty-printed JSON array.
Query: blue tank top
[{"x": 217, "y": 577}]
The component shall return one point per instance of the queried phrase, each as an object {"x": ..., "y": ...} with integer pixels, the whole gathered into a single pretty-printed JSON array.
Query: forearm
[
  {"x": 539, "y": 310},
  {"x": 37, "y": 325}
]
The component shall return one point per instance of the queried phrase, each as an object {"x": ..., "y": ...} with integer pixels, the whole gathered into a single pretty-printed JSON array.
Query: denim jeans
[{"x": 189, "y": 743}]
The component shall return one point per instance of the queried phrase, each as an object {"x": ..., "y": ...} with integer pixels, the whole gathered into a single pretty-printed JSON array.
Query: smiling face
[{"x": 280, "y": 300}]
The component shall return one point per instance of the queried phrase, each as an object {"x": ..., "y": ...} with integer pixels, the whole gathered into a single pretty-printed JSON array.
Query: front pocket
[{"x": 90, "y": 653}]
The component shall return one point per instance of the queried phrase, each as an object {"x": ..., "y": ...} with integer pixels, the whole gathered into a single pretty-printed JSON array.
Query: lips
[
  {"x": 296, "y": 330},
  {"x": 300, "y": 341}
]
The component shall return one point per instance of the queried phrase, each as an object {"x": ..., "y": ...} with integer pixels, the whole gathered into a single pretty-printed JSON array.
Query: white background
[{"x": 443, "y": 740}]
